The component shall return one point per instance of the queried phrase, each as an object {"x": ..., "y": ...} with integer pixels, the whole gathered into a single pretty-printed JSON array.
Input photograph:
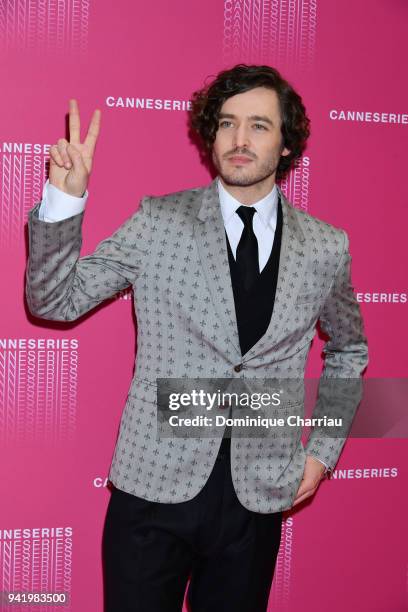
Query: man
[{"x": 229, "y": 281}]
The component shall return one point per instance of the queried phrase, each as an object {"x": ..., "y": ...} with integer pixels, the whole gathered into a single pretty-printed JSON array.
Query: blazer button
[{"x": 238, "y": 367}]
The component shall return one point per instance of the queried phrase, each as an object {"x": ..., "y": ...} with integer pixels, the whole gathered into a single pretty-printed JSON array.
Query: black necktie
[{"x": 247, "y": 257}]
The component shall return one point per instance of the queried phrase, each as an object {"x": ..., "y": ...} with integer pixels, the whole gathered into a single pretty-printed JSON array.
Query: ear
[{"x": 285, "y": 152}]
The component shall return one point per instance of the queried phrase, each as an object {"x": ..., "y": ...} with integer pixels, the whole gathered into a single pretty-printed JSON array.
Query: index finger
[
  {"x": 93, "y": 131},
  {"x": 74, "y": 122}
]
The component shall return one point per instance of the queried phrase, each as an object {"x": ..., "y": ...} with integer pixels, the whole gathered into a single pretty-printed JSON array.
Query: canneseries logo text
[
  {"x": 23, "y": 173},
  {"x": 38, "y": 378},
  {"x": 381, "y": 297},
  {"x": 39, "y": 560},
  {"x": 341, "y": 114},
  {"x": 154, "y": 104}
]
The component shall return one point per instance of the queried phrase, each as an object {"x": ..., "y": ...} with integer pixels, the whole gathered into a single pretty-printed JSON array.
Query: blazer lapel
[
  {"x": 211, "y": 241},
  {"x": 290, "y": 275}
]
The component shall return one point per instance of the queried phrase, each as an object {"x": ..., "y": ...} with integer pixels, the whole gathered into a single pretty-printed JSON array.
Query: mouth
[{"x": 239, "y": 160}]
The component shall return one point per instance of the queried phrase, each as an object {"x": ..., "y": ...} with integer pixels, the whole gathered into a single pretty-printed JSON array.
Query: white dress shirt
[
  {"x": 264, "y": 221},
  {"x": 57, "y": 205}
]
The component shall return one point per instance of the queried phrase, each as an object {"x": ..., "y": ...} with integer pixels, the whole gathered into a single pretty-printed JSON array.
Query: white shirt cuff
[
  {"x": 57, "y": 205},
  {"x": 321, "y": 461}
]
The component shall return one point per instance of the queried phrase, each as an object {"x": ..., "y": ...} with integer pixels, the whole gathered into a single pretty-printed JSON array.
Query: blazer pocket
[{"x": 142, "y": 389}]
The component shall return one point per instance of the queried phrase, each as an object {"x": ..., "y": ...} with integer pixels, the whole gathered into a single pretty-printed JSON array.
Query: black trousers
[{"x": 151, "y": 549}]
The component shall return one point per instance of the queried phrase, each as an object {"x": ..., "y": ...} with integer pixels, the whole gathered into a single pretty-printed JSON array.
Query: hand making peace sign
[{"x": 71, "y": 162}]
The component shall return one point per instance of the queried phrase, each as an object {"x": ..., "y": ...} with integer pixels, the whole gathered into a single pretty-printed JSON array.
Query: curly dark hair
[{"x": 207, "y": 102}]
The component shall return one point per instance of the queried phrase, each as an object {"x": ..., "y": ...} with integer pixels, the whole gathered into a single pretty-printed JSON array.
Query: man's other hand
[{"x": 312, "y": 475}]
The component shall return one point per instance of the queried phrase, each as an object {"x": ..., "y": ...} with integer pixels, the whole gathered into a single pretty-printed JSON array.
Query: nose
[{"x": 241, "y": 137}]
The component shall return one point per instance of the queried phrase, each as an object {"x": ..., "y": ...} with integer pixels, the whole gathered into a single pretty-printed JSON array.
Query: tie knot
[{"x": 246, "y": 214}]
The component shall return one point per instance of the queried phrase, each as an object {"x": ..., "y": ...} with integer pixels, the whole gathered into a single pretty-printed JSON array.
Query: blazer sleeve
[
  {"x": 345, "y": 358},
  {"x": 60, "y": 285}
]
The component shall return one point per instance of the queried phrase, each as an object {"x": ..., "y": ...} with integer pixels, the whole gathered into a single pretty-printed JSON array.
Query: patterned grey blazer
[{"x": 173, "y": 252}]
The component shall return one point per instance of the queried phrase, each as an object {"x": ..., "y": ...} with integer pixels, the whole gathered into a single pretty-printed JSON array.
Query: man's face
[{"x": 248, "y": 142}]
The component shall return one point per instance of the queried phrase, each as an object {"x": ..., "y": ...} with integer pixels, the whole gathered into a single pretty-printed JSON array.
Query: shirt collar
[{"x": 266, "y": 207}]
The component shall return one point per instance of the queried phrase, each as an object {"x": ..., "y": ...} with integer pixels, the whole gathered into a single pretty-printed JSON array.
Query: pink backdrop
[{"x": 348, "y": 60}]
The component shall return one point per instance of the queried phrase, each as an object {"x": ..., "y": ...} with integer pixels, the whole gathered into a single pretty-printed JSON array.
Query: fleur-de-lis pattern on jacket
[{"x": 173, "y": 252}]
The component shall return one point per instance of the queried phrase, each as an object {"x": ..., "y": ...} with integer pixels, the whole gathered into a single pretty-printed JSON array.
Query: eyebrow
[{"x": 252, "y": 117}]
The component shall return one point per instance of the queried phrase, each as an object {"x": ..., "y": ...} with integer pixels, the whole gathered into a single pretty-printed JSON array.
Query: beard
[{"x": 242, "y": 176}]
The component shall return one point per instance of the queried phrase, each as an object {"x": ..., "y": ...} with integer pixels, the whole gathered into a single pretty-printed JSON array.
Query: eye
[
  {"x": 260, "y": 126},
  {"x": 224, "y": 122}
]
